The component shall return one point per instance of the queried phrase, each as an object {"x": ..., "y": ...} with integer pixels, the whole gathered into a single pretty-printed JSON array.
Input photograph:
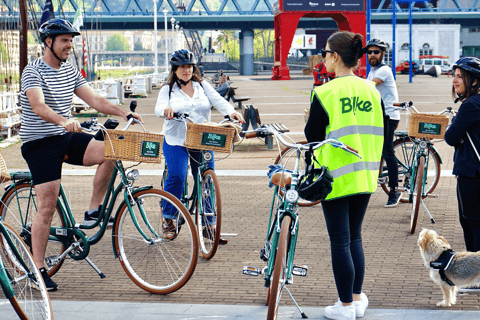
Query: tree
[
  {"x": 117, "y": 42},
  {"x": 138, "y": 46},
  {"x": 3, "y": 52}
]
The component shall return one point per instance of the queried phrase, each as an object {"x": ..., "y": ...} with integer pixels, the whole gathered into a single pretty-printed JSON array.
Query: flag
[
  {"x": 47, "y": 12},
  {"x": 78, "y": 19},
  {"x": 85, "y": 60}
]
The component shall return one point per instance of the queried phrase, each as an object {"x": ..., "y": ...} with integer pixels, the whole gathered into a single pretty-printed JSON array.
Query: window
[
  {"x": 428, "y": 62},
  {"x": 405, "y": 46},
  {"x": 437, "y": 62},
  {"x": 425, "y": 51}
]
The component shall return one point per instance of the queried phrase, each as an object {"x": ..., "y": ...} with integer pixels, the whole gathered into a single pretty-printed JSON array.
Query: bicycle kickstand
[
  {"x": 428, "y": 212},
  {"x": 90, "y": 262},
  {"x": 304, "y": 316}
]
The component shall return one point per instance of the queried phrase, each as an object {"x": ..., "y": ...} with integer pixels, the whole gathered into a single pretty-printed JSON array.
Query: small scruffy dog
[{"x": 463, "y": 271}]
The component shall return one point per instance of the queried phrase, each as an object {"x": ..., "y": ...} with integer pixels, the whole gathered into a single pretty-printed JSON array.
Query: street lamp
[
  {"x": 177, "y": 26},
  {"x": 166, "y": 43},
  {"x": 155, "y": 35},
  {"x": 172, "y": 21}
]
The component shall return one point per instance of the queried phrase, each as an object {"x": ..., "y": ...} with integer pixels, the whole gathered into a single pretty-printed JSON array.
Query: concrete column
[{"x": 246, "y": 52}]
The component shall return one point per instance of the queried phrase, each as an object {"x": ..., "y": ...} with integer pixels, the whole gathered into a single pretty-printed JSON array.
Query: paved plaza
[{"x": 396, "y": 281}]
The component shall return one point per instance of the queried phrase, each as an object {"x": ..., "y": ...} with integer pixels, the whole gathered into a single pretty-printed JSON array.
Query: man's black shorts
[{"x": 45, "y": 156}]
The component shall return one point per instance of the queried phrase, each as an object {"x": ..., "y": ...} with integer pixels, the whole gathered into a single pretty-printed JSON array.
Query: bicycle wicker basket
[
  {"x": 133, "y": 146},
  {"x": 4, "y": 175},
  {"x": 429, "y": 126},
  {"x": 212, "y": 138}
]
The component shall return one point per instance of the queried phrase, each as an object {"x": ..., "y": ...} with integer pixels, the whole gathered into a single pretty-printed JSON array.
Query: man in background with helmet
[
  {"x": 50, "y": 136},
  {"x": 382, "y": 75}
]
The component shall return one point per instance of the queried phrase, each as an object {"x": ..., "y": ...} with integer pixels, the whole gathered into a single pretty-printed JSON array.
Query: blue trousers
[
  {"x": 344, "y": 218},
  {"x": 177, "y": 158}
]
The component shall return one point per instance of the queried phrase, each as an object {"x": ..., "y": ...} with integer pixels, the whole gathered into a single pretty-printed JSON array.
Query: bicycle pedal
[
  {"x": 251, "y": 271},
  {"x": 300, "y": 270},
  {"x": 431, "y": 195},
  {"x": 52, "y": 261}
]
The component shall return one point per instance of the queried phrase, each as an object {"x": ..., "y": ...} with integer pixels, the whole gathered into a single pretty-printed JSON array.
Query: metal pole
[
  {"x": 410, "y": 69},
  {"x": 166, "y": 38},
  {"x": 23, "y": 35},
  {"x": 155, "y": 34},
  {"x": 172, "y": 21},
  {"x": 394, "y": 21},
  {"x": 369, "y": 21}
]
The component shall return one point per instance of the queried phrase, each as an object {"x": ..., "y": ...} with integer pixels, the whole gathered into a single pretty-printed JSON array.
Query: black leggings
[
  {"x": 344, "y": 219},
  {"x": 468, "y": 196}
]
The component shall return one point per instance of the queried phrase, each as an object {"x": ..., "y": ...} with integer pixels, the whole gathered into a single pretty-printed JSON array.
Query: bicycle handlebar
[{"x": 265, "y": 131}]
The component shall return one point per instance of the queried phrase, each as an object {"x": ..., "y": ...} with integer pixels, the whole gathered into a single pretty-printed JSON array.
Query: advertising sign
[
  {"x": 308, "y": 41},
  {"x": 323, "y": 5}
]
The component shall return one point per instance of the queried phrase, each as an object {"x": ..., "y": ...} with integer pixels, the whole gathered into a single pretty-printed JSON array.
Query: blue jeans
[
  {"x": 344, "y": 218},
  {"x": 177, "y": 158}
]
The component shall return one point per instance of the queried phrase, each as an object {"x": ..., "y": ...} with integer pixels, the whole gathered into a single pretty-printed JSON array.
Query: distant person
[
  {"x": 224, "y": 88},
  {"x": 382, "y": 75}
]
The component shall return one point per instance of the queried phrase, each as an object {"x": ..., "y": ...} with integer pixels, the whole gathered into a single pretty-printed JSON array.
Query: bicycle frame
[
  {"x": 285, "y": 207},
  {"x": 66, "y": 233}
]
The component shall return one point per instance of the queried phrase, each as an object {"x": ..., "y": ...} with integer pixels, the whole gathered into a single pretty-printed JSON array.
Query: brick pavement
[{"x": 395, "y": 276}]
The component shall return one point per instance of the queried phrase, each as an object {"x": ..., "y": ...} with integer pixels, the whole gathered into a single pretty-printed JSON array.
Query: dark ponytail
[{"x": 348, "y": 45}]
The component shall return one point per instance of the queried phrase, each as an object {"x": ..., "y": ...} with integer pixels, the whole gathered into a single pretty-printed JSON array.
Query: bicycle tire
[
  {"x": 278, "y": 275},
  {"x": 285, "y": 154},
  {"x": 405, "y": 170},
  {"x": 417, "y": 194},
  {"x": 31, "y": 300},
  {"x": 164, "y": 265},
  {"x": 21, "y": 222},
  {"x": 212, "y": 204}
]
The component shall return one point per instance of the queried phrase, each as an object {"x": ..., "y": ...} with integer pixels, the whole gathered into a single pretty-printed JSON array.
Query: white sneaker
[
  {"x": 361, "y": 306},
  {"x": 340, "y": 312}
]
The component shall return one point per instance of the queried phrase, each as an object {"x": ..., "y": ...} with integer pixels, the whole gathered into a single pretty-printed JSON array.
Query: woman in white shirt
[{"x": 185, "y": 92}]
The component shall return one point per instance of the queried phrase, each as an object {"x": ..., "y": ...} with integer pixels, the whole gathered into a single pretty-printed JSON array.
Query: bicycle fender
[
  {"x": 115, "y": 253},
  {"x": 436, "y": 152}
]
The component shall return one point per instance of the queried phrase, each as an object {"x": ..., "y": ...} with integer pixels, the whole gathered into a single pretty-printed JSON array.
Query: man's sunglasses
[
  {"x": 324, "y": 52},
  {"x": 373, "y": 51}
]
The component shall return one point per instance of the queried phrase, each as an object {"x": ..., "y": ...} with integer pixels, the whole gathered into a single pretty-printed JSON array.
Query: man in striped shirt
[{"x": 50, "y": 136}]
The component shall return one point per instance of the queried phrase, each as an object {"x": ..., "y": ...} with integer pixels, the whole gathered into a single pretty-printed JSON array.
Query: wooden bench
[
  {"x": 236, "y": 98},
  {"x": 252, "y": 116}
]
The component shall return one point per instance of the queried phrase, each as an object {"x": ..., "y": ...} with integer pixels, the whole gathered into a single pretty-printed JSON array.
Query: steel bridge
[{"x": 229, "y": 14}]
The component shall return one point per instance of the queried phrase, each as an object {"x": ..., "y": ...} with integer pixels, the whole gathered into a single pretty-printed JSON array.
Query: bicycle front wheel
[
  {"x": 405, "y": 154},
  {"x": 279, "y": 276},
  {"x": 283, "y": 158},
  {"x": 209, "y": 219},
  {"x": 417, "y": 194},
  {"x": 31, "y": 300},
  {"x": 152, "y": 261},
  {"x": 19, "y": 208}
]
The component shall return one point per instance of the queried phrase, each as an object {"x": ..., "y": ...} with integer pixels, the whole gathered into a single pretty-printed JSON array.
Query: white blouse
[{"x": 198, "y": 108}]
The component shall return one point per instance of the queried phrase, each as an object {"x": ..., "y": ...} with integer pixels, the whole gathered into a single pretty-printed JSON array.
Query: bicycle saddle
[{"x": 281, "y": 179}]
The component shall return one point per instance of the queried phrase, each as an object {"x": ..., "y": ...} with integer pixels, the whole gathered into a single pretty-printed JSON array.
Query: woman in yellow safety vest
[{"x": 349, "y": 109}]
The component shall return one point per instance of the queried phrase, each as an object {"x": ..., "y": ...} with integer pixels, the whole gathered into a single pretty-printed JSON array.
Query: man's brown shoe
[{"x": 169, "y": 229}]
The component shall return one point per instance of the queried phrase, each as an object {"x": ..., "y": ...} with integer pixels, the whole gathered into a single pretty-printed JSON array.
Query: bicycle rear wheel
[
  {"x": 19, "y": 209},
  {"x": 279, "y": 271},
  {"x": 210, "y": 219},
  {"x": 417, "y": 194},
  {"x": 405, "y": 154},
  {"x": 283, "y": 158},
  {"x": 31, "y": 300},
  {"x": 158, "y": 265}
]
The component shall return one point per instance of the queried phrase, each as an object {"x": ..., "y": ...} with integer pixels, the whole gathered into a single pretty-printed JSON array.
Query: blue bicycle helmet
[
  {"x": 55, "y": 27},
  {"x": 183, "y": 57},
  {"x": 470, "y": 65}
]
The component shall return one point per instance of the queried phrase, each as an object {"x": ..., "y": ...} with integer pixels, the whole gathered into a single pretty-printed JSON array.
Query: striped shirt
[{"x": 58, "y": 87}]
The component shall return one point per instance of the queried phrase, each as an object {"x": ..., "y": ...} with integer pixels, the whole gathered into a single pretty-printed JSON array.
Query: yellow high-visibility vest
[{"x": 354, "y": 110}]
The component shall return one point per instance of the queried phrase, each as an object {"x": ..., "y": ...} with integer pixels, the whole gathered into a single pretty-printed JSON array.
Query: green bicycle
[
  {"x": 283, "y": 224},
  {"x": 152, "y": 261},
  {"x": 204, "y": 202},
  {"x": 20, "y": 278}
]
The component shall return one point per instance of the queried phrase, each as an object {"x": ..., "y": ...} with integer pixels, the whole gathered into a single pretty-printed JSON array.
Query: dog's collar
[{"x": 442, "y": 264}]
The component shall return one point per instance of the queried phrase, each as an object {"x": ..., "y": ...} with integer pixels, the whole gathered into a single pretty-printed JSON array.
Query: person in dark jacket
[{"x": 464, "y": 135}]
